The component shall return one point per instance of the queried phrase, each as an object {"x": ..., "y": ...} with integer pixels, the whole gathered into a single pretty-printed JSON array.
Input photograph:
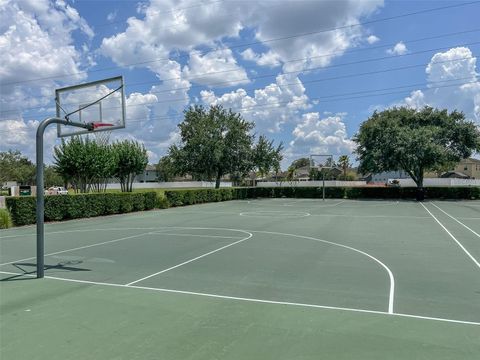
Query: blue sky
[{"x": 306, "y": 72}]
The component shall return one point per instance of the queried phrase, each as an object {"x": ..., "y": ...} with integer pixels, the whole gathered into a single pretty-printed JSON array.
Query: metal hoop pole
[{"x": 40, "y": 211}]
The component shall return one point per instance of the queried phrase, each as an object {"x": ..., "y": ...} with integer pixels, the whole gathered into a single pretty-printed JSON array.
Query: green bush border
[{"x": 57, "y": 208}]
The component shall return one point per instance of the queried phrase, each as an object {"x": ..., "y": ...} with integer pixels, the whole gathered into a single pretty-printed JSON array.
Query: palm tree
[{"x": 344, "y": 162}]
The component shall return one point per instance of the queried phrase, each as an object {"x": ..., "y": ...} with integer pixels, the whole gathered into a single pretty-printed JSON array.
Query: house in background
[
  {"x": 150, "y": 174},
  {"x": 470, "y": 167},
  {"x": 465, "y": 169},
  {"x": 383, "y": 177}
]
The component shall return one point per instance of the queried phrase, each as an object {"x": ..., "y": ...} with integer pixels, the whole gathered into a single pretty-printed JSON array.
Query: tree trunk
[
  {"x": 217, "y": 180},
  {"x": 420, "y": 190}
]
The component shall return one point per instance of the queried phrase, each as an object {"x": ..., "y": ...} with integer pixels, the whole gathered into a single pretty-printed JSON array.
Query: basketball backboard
[
  {"x": 101, "y": 103},
  {"x": 321, "y": 161}
]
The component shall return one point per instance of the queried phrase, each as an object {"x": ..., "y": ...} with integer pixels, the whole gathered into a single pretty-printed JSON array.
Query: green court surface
[{"x": 258, "y": 279}]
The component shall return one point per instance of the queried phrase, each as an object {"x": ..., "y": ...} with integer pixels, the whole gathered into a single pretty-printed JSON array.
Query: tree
[
  {"x": 415, "y": 141},
  {"x": 344, "y": 162},
  {"x": 214, "y": 142},
  {"x": 266, "y": 157},
  {"x": 84, "y": 163},
  {"x": 51, "y": 177},
  {"x": 130, "y": 159},
  {"x": 16, "y": 167},
  {"x": 166, "y": 169},
  {"x": 297, "y": 164}
]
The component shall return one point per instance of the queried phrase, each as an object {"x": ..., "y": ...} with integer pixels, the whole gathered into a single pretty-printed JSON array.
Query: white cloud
[
  {"x": 36, "y": 42},
  {"x": 18, "y": 134},
  {"x": 452, "y": 83},
  {"x": 269, "y": 58},
  {"x": 316, "y": 135},
  {"x": 269, "y": 107},
  {"x": 452, "y": 64},
  {"x": 399, "y": 49},
  {"x": 163, "y": 31},
  {"x": 372, "y": 39},
  {"x": 112, "y": 16},
  {"x": 215, "y": 67}
]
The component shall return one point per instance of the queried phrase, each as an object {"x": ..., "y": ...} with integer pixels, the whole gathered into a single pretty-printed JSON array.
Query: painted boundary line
[
  {"x": 164, "y": 229},
  {"x": 453, "y": 237},
  {"x": 159, "y": 231},
  {"x": 78, "y": 248},
  {"x": 458, "y": 221},
  {"x": 194, "y": 259},
  {"x": 391, "y": 293},
  {"x": 273, "y": 302}
]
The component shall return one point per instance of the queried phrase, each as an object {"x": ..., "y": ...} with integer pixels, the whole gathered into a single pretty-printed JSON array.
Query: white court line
[
  {"x": 78, "y": 248},
  {"x": 159, "y": 231},
  {"x": 254, "y": 300},
  {"x": 71, "y": 231},
  {"x": 458, "y": 221},
  {"x": 375, "y": 216},
  {"x": 194, "y": 259},
  {"x": 273, "y": 213},
  {"x": 390, "y": 274},
  {"x": 195, "y": 235},
  {"x": 465, "y": 226},
  {"x": 453, "y": 237}
]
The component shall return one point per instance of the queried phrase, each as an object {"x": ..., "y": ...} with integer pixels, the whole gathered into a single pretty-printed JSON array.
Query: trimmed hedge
[
  {"x": 22, "y": 209},
  {"x": 367, "y": 192},
  {"x": 190, "y": 197}
]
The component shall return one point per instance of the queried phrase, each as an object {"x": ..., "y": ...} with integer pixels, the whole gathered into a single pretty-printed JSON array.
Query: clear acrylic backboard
[{"x": 100, "y": 102}]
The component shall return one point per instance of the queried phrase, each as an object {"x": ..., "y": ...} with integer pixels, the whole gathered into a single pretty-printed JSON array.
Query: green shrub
[
  {"x": 150, "y": 200},
  {"x": 77, "y": 206},
  {"x": 126, "y": 202},
  {"x": 22, "y": 209},
  {"x": 175, "y": 197},
  {"x": 56, "y": 207},
  {"x": 5, "y": 219},
  {"x": 162, "y": 203},
  {"x": 138, "y": 201}
]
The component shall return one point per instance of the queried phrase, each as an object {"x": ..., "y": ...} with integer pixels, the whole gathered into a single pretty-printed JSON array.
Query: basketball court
[{"x": 263, "y": 278}]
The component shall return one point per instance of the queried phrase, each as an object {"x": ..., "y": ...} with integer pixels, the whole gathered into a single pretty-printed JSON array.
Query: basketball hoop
[{"x": 96, "y": 125}]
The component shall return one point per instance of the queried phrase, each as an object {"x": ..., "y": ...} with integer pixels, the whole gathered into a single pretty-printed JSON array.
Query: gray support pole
[
  {"x": 323, "y": 179},
  {"x": 40, "y": 195}
]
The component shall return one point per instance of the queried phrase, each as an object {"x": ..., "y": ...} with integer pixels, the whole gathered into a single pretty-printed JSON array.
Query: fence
[
  {"x": 428, "y": 182},
  {"x": 329, "y": 183},
  {"x": 172, "y": 185}
]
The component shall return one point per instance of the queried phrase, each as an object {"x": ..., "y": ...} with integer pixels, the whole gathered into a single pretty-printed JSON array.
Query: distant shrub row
[
  {"x": 190, "y": 197},
  {"x": 367, "y": 192},
  {"x": 22, "y": 209}
]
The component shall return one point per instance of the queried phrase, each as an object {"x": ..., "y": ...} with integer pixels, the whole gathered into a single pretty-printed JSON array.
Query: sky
[{"x": 307, "y": 73}]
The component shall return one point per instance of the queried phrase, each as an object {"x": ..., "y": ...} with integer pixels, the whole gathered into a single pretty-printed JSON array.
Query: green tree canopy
[
  {"x": 267, "y": 157},
  {"x": 166, "y": 169},
  {"x": 16, "y": 167},
  {"x": 344, "y": 163},
  {"x": 415, "y": 141},
  {"x": 84, "y": 163},
  {"x": 214, "y": 142},
  {"x": 130, "y": 159}
]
